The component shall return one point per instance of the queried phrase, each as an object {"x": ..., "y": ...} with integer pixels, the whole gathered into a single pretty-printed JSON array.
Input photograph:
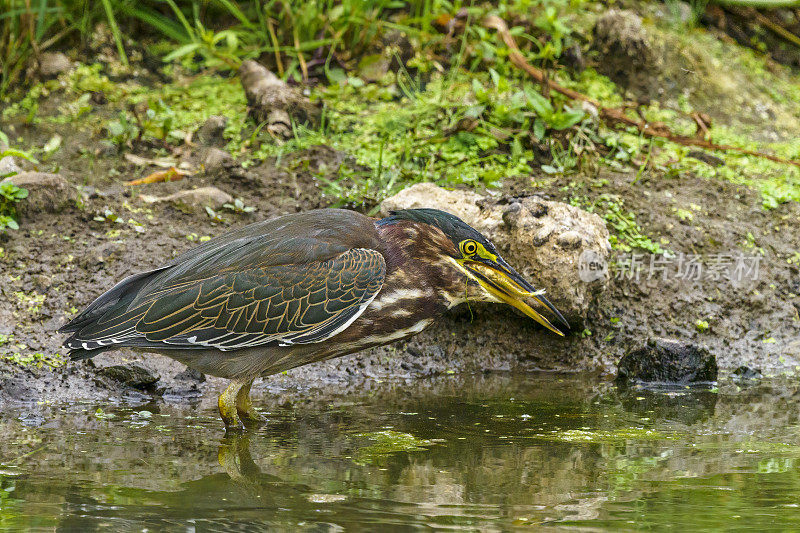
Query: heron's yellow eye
[{"x": 469, "y": 248}]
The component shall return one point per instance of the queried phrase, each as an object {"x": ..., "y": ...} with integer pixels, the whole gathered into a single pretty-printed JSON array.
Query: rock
[
  {"x": 15, "y": 389},
  {"x": 42, "y": 282},
  {"x": 51, "y": 64},
  {"x": 189, "y": 374},
  {"x": 48, "y": 193},
  {"x": 8, "y": 166},
  {"x": 272, "y": 101},
  {"x": 131, "y": 374},
  {"x": 627, "y": 55},
  {"x": 667, "y": 361},
  {"x": 462, "y": 203},
  {"x": 211, "y": 131},
  {"x": 745, "y": 373},
  {"x": 569, "y": 239},
  {"x": 217, "y": 159},
  {"x": 543, "y": 240},
  {"x": 193, "y": 198}
]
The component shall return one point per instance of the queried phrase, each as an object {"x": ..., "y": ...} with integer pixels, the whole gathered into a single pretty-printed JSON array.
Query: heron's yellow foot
[
  {"x": 227, "y": 406},
  {"x": 244, "y": 406},
  {"x": 235, "y": 407}
]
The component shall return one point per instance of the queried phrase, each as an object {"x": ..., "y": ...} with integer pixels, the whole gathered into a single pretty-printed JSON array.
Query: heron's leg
[
  {"x": 244, "y": 406},
  {"x": 228, "y": 405}
]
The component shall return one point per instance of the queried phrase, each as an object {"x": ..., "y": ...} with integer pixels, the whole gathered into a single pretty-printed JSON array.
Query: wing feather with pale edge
[{"x": 283, "y": 304}]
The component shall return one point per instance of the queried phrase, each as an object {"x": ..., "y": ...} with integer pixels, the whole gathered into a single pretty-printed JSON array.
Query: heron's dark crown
[{"x": 456, "y": 229}]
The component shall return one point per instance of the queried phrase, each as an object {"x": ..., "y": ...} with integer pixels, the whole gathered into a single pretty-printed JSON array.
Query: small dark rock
[
  {"x": 131, "y": 374},
  {"x": 745, "y": 373},
  {"x": 190, "y": 374},
  {"x": 537, "y": 209},
  {"x": 211, "y": 131},
  {"x": 573, "y": 58},
  {"x": 511, "y": 214},
  {"x": 569, "y": 239},
  {"x": 180, "y": 392},
  {"x": 667, "y": 361},
  {"x": 98, "y": 98}
]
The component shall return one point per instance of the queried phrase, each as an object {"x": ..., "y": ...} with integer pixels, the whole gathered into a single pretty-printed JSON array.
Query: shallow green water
[{"x": 494, "y": 453}]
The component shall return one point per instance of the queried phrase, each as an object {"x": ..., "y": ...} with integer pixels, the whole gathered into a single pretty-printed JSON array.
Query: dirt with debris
[{"x": 59, "y": 262}]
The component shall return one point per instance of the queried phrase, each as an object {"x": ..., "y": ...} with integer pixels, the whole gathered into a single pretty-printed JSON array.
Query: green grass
[
  {"x": 397, "y": 137},
  {"x": 10, "y": 196},
  {"x": 222, "y": 32}
]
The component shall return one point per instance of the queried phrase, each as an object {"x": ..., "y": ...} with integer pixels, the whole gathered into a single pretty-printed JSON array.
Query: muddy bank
[{"x": 59, "y": 262}]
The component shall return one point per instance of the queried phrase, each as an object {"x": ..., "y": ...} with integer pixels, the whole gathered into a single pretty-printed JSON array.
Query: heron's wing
[{"x": 253, "y": 306}]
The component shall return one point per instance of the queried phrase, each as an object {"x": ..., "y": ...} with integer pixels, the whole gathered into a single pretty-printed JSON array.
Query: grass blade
[{"x": 112, "y": 22}]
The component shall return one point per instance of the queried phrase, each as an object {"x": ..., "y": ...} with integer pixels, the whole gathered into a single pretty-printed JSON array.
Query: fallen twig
[
  {"x": 616, "y": 115},
  {"x": 171, "y": 174},
  {"x": 145, "y": 161}
]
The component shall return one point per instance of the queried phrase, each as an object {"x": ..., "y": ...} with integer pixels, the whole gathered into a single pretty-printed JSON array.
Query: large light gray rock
[{"x": 556, "y": 246}]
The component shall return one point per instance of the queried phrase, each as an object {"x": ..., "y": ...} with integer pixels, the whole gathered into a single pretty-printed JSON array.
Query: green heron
[{"x": 297, "y": 289}]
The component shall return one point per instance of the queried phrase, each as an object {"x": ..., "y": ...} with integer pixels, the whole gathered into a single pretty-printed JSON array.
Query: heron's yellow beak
[{"x": 505, "y": 284}]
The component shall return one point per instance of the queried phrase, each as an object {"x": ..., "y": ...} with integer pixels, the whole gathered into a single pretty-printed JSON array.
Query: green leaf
[
  {"x": 181, "y": 51},
  {"x": 538, "y": 103},
  {"x": 549, "y": 169},
  {"x": 19, "y": 153},
  {"x": 52, "y": 145},
  {"x": 336, "y": 75},
  {"x": 565, "y": 119},
  {"x": 538, "y": 129}
]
